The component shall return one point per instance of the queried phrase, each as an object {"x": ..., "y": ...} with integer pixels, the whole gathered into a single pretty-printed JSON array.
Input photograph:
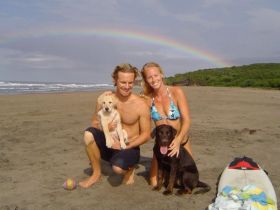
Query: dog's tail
[{"x": 203, "y": 188}]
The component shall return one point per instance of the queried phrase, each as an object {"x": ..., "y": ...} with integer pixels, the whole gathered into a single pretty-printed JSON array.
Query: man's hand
[
  {"x": 112, "y": 125},
  {"x": 116, "y": 144}
]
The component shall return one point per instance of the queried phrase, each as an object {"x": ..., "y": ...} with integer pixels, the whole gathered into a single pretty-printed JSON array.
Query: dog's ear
[
  {"x": 100, "y": 99},
  {"x": 153, "y": 133},
  {"x": 115, "y": 101}
]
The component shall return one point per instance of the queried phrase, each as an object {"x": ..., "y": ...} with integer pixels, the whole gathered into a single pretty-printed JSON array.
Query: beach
[{"x": 41, "y": 145}]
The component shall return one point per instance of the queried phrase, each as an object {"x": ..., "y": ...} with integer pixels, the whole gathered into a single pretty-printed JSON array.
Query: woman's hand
[{"x": 174, "y": 148}]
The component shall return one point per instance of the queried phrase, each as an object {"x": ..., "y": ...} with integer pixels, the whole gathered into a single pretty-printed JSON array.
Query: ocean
[{"x": 12, "y": 87}]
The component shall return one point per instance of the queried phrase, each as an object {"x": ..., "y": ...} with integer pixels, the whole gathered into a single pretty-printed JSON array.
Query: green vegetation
[{"x": 254, "y": 75}]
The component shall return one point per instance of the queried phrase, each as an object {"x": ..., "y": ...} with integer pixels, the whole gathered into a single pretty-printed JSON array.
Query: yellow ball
[{"x": 69, "y": 184}]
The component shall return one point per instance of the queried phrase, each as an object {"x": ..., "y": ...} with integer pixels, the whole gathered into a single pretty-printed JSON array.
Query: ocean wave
[{"x": 11, "y": 87}]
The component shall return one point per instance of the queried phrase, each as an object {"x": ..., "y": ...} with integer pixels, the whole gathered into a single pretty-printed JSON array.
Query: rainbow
[{"x": 128, "y": 35}]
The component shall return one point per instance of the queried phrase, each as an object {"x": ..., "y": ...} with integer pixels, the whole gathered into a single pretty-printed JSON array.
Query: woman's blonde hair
[{"x": 147, "y": 89}]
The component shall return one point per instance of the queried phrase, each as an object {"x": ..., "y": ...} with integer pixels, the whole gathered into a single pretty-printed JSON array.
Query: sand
[{"x": 41, "y": 145}]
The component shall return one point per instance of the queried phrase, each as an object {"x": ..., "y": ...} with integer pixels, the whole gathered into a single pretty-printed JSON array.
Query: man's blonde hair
[{"x": 126, "y": 68}]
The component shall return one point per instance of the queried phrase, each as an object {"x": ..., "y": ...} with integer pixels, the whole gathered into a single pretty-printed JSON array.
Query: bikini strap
[{"x": 153, "y": 101}]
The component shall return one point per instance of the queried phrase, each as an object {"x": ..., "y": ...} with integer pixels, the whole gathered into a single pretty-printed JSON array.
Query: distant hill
[{"x": 263, "y": 75}]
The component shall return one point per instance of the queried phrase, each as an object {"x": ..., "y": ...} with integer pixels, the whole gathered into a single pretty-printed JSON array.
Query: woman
[{"x": 168, "y": 106}]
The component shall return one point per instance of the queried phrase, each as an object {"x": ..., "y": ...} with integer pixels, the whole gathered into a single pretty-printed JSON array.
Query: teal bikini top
[{"x": 173, "y": 113}]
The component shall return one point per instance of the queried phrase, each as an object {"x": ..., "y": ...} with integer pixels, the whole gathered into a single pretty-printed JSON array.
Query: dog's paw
[
  {"x": 109, "y": 145},
  {"x": 183, "y": 191},
  {"x": 180, "y": 192},
  {"x": 167, "y": 192},
  {"x": 156, "y": 188},
  {"x": 123, "y": 146},
  {"x": 109, "y": 142}
]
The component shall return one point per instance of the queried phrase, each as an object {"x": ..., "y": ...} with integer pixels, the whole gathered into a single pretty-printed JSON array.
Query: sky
[{"x": 82, "y": 41}]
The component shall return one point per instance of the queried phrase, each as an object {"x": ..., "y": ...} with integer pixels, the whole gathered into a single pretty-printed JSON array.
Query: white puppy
[{"x": 108, "y": 113}]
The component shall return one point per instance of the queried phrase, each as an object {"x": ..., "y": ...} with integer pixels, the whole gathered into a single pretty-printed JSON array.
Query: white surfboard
[{"x": 242, "y": 176}]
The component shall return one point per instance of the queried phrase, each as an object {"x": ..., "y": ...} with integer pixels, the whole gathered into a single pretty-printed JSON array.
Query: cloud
[
  {"x": 86, "y": 12},
  {"x": 32, "y": 60},
  {"x": 31, "y": 47},
  {"x": 264, "y": 20}
]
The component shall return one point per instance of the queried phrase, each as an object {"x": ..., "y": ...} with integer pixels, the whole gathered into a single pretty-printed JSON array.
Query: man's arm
[{"x": 144, "y": 124}]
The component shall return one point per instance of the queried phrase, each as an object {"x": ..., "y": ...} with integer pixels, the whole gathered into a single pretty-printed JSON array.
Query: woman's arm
[{"x": 183, "y": 107}]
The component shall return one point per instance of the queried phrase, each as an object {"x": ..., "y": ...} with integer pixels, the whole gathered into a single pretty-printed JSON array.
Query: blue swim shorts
[{"x": 125, "y": 158}]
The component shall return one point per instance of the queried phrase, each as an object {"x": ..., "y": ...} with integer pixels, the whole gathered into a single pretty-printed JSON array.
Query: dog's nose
[
  {"x": 107, "y": 109},
  {"x": 165, "y": 140}
]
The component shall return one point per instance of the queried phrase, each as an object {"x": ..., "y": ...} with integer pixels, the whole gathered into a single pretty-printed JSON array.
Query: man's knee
[
  {"x": 88, "y": 137},
  {"x": 118, "y": 170}
]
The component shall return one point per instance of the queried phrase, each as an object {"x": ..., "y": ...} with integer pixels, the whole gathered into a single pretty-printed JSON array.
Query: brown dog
[{"x": 175, "y": 171}]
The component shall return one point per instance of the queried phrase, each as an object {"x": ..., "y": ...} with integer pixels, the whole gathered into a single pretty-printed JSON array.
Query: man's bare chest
[{"x": 129, "y": 114}]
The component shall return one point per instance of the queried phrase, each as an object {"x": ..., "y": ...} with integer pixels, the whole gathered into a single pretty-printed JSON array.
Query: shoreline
[
  {"x": 41, "y": 146},
  {"x": 136, "y": 89}
]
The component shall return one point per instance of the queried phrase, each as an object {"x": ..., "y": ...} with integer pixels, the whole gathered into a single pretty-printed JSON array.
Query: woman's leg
[{"x": 154, "y": 172}]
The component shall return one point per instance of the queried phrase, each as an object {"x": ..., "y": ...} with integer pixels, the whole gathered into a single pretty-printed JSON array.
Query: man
[{"x": 135, "y": 119}]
